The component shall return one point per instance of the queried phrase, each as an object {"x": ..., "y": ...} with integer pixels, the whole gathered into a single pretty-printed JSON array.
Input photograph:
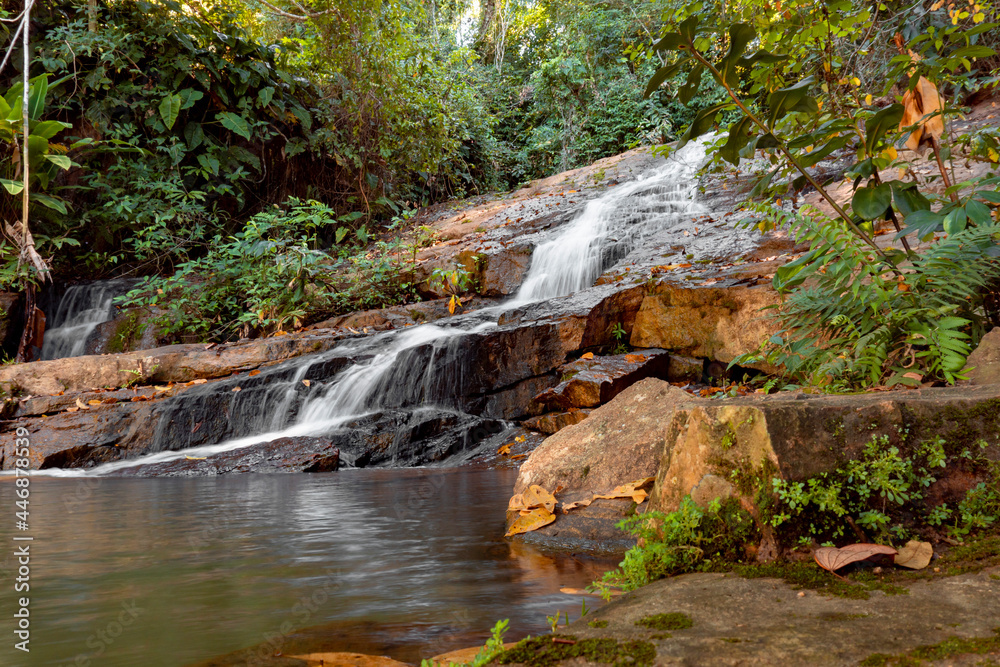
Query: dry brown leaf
[
  {"x": 110, "y": 400},
  {"x": 162, "y": 389},
  {"x": 254, "y": 372},
  {"x": 530, "y": 521},
  {"x": 72, "y": 409},
  {"x": 915, "y": 555},
  {"x": 81, "y": 405},
  {"x": 832, "y": 559},
  {"x": 636, "y": 490},
  {"x": 237, "y": 388},
  {"x": 914, "y": 376},
  {"x": 198, "y": 381},
  {"x": 536, "y": 496},
  {"x": 505, "y": 450},
  {"x": 579, "y": 503},
  {"x": 635, "y": 358},
  {"x": 589, "y": 355},
  {"x": 918, "y": 103},
  {"x": 93, "y": 402}
]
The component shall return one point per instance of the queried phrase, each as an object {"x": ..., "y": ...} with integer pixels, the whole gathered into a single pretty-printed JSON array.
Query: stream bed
[{"x": 220, "y": 570}]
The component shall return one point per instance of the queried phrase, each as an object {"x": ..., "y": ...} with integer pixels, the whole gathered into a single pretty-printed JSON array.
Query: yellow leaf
[
  {"x": 868, "y": 99},
  {"x": 521, "y": 438},
  {"x": 505, "y": 450},
  {"x": 588, "y": 355},
  {"x": 306, "y": 382},
  {"x": 451, "y": 305},
  {"x": 994, "y": 156},
  {"x": 93, "y": 402},
  {"x": 856, "y": 81},
  {"x": 196, "y": 458},
  {"x": 536, "y": 496},
  {"x": 533, "y": 520},
  {"x": 826, "y": 67},
  {"x": 891, "y": 152}
]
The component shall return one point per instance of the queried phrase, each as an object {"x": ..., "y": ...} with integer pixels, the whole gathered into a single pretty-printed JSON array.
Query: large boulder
[
  {"x": 985, "y": 360},
  {"x": 718, "y": 323}
]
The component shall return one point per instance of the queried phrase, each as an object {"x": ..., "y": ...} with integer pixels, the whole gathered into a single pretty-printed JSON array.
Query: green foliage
[
  {"x": 882, "y": 492},
  {"x": 262, "y": 279},
  {"x": 869, "y": 315},
  {"x": 686, "y": 540},
  {"x": 856, "y": 323}
]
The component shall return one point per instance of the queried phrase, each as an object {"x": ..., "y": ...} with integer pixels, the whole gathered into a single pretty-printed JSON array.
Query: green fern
[{"x": 851, "y": 320}]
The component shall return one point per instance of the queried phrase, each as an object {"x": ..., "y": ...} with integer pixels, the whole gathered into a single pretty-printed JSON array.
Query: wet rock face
[
  {"x": 283, "y": 455},
  {"x": 709, "y": 322},
  {"x": 985, "y": 360},
  {"x": 588, "y": 383}
]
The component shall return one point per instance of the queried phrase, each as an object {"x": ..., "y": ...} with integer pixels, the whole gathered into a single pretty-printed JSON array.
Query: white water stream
[
  {"x": 80, "y": 310},
  {"x": 395, "y": 376}
]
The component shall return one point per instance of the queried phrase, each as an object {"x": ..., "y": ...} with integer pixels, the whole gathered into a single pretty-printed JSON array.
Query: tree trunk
[
  {"x": 483, "y": 44},
  {"x": 92, "y": 15}
]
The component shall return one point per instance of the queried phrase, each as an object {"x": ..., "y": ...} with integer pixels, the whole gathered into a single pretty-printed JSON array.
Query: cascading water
[
  {"x": 423, "y": 367},
  {"x": 79, "y": 312}
]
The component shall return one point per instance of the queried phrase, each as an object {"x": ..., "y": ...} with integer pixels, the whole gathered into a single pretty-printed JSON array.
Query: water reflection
[{"x": 399, "y": 562}]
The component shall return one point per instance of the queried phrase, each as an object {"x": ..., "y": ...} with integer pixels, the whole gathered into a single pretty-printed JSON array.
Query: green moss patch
[
  {"x": 672, "y": 621},
  {"x": 809, "y": 576},
  {"x": 598, "y": 624},
  {"x": 543, "y": 652},
  {"x": 949, "y": 648}
]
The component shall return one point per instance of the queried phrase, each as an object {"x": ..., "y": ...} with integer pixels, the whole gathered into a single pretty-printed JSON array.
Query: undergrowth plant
[{"x": 880, "y": 496}]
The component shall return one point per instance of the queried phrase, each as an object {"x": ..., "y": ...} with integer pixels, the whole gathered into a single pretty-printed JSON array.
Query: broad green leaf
[
  {"x": 60, "y": 161},
  {"x": 234, "y": 123},
  {"x": 50, "y": 202},
  {"x": 670, "y": 42},
  {"x": 693, "y": 85},
  {"x": 14, "y": 94},
  {"x": 15, "y": 114},
  {"x": 341, "y": 233},
  {"x": 955, "y": 221},
  {"x": 13, "y": 187},
  {"x": 876, "y": 126},
  {"x": 38, "y": 148},
  {"x": 921, "y": 223},
  {"x": 209, "y": 163},
  {"x": 702, "y": 123},
  {"x": 978, "y": 212},
  {"x": 689, "y": 28},
  {"x": 170, "y": 106},
  {"x": 908, "y": 198},
  {"x": 740, "y": 34},
  {"x": 974, "y": 51},
  {"x": 872, "y": 202},
  {"x": 189, "y": 96},
  {"x": 739, "y": 136},
  {"x": 783, "y": 99},
  {"x": 662, "y": 75},
  {"x": 36, "y": 96},
  {"x": 49, "y": 128},
  {"x": 265, "y": 95},
  {"x": 194, "y": 135}
]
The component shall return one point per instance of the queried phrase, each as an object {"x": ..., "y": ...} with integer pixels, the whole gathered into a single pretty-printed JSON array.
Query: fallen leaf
[
  {"x": 505, "y": 450},
  {"x": 161, "y": 389},
  {"x": 196, "y": 458},
  {"x": 636, "y": 490},
  {"x": 914, "y": 376},
  {"x": 81, "y": 405},
  {"x": 533, "y": 520},
  {"x": 252, "y": 373},
  {"x": 831, "y": 558},
  {"x": 917, "y": 104},
  {"x": 306, "y": 382},
  {"x": 579, "y": 503},
  {"x": 518, "y": 457},
  {"x": 588, "y": 355},
  {"x": 576, "y": 591},
  {"x": 635, "y": 358},
  {"x": 915, "y": 555},
  {"x": 198, "y": 381},
  {"x": 196, "y": 427},
  {"x": 210, "y": 346},
  {"x": 237, "y": 389},
  {"x": 110, "y": 400},
  {"x": 93, "y": 402},
  {"x": 72, "y": 409},
  {"x": 536, "y": 496}
]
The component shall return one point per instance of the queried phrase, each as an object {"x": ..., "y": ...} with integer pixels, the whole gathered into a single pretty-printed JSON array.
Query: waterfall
[
  {"x": 80, "y": 310},
  {"x": 609, "y": 227},
  {"x": 424, "y": 366}
]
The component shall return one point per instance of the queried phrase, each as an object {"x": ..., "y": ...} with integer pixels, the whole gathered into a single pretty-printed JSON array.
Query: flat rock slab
[
  {"x": 591, "y": 382},
  {"x": 740, "y": 621},
  {"x": 281, "y": 455}
]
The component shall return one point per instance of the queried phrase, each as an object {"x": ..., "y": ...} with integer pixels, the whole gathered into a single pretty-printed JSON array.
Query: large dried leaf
[
  {"x": 533, "y": 498},
  {"x": 915, "y": 555},
  {"x": 922, "y": 101},
  {"x": 530, "y": 520},
  {"x": 579, "y": 503},
  {"x": 638, "y": 490},
  {"x": 832, "y": 559}
]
